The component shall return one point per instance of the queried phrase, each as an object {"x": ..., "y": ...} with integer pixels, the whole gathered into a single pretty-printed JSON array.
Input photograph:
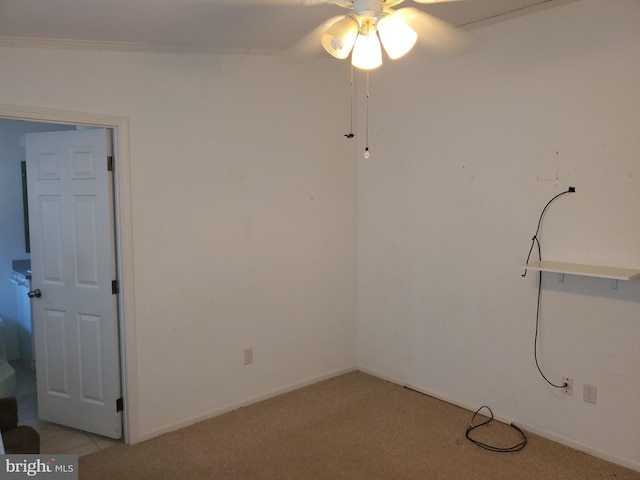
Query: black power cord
[
  {"x": 471, "y": 427},
  {"x": 535, "y": 240}
]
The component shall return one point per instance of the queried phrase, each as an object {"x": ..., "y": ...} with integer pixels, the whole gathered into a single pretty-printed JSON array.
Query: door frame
[{"x": 123, "y": 242}]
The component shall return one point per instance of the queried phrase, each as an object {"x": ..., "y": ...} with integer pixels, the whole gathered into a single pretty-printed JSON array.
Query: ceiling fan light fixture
[
  {"x": 367, "y": 53},
  {"x": 339, "y": 38},
  {"x": 397, "y": 37}
]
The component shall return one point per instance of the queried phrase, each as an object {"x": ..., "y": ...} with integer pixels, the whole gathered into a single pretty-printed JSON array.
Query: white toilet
[{"x": 7, "y": 373}]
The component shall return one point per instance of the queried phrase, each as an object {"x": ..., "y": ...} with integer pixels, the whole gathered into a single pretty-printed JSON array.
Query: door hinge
[
  {"x": 119, "y": 405},
  {"x": 115, "y": 287},
  {"x": 110, "y": 165}
]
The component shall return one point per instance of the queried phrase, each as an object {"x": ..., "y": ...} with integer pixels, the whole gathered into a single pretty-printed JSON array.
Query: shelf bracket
[{"x": 614, "y": 284}]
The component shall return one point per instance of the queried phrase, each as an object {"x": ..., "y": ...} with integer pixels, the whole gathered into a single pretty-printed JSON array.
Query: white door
[{"x": 70, "y": 195}]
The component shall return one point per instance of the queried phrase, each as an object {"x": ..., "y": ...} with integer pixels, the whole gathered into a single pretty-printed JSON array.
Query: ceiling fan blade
[
  {"x": 310, "y": 45},
  {"x": 258, "y": 3},
  {"x": 433, "y": 33}
]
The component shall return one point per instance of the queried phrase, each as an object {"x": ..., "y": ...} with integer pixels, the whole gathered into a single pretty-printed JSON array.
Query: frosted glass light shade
[
  {"x": 397, "y": 37},
  {"x": 339, "y": 38},
  {"x": 367, "y": 53}
]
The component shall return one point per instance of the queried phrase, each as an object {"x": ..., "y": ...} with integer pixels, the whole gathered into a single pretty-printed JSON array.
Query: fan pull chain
[
  {"x": 350, "y": 134},
  {"x": 366, "y": 142}
]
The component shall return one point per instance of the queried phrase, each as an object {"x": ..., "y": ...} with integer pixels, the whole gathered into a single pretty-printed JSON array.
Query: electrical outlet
[
  {"x": 569, "y": 388},
  {"x": 248, "y": 356},
  {"x": 589, "y": 393}
]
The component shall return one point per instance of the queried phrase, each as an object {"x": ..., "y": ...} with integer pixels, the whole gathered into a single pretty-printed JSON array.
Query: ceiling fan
[
  {"x": 374, "y": 24},
  {"x": 370, "y": 26}
]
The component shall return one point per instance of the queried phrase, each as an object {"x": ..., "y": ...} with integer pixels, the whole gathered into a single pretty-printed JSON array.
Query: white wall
[
  {"x": 465, "y": 153},
  {"x": 243, "y": 211}
]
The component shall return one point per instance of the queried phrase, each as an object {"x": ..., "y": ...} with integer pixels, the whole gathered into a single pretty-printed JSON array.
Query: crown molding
[
  {"x": 511, "y": 14},
  {"x": 111, "y": 46}
]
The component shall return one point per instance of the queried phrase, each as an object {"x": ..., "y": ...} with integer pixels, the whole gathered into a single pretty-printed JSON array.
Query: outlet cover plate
[
  {"x": 589, "y": 393},
  {"x": 248, "y": 356}
]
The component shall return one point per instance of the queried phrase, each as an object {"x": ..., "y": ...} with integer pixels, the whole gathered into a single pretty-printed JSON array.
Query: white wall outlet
[
  {"x": 248, "y": 356},
  {"x": 569, "y": 388},
  {"x": 589, "y": 393}
]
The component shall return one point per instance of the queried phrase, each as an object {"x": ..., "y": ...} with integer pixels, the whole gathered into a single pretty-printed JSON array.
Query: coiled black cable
[{"x": 471, "y": 427}]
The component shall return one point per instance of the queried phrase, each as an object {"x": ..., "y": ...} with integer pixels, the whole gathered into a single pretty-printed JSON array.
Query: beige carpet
[{"x": 351, "y": 427}]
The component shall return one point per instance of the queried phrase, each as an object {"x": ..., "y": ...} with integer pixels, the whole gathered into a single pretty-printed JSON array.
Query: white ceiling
[{"x": 242, "y": 26}]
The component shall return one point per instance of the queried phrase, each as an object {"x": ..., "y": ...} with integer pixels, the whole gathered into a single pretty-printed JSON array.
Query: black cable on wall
[{"x": 536, "y": 241}]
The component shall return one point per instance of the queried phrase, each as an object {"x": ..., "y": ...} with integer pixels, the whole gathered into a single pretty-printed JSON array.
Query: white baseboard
[
  {"x": 580, "y": 446},
  {"x": 274, "y": 393},
  {"x": 529, "y": 428},
  {"x": 526, "y": 427}
]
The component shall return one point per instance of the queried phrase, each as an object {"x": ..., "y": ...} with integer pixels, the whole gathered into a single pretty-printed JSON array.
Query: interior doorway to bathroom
[{"x": 66, "y": 126}]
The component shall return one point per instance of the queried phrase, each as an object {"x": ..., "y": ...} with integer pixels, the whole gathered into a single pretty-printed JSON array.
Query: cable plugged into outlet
[
  {"x": 568, "y": 385},
  {"x": 536, "y": 241}
]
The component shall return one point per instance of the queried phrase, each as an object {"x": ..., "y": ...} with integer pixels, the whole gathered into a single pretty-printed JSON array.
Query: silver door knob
[{"x": 35, "y": 293}]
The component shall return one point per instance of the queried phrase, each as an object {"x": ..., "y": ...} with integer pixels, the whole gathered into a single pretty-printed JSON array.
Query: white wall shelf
[{"x": 612, "y": 273}]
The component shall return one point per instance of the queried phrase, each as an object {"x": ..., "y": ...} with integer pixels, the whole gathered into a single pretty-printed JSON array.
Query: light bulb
[
  {"x": 367, "y": 53},
  {"x": 397, "y": 37},
  {"x": 339, "y": 38},
  {"x": 366, "y": 152}
]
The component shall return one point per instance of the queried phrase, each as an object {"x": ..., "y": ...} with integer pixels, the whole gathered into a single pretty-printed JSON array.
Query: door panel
[
  {"x": 57, "y": 381},
  {"x": 50, "y": 217},
  {"x": 73, "y": 264}
]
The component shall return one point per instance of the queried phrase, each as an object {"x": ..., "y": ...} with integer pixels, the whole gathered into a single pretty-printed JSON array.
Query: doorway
[{"x": 119, "y": 127}]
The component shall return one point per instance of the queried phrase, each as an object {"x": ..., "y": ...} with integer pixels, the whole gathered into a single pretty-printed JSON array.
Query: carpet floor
[{"x": 353, "y": 427}]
